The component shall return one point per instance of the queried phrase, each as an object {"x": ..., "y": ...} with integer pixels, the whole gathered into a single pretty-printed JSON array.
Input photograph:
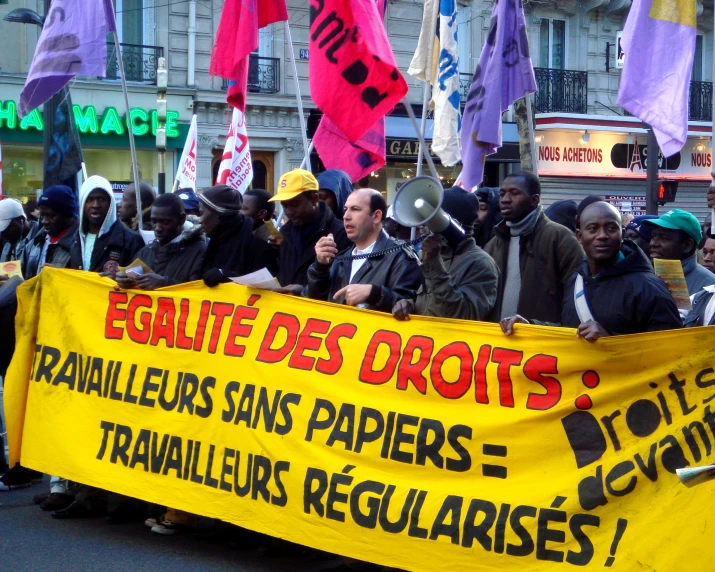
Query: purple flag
[
  {"x": 504, "y": 74},
  {"x": 73, "y": 42},
  {"x": 659, "y": 46}
]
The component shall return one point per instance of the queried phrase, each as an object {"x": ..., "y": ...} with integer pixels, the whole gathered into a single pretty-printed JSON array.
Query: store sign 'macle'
[{"x": 140, "y": 121}]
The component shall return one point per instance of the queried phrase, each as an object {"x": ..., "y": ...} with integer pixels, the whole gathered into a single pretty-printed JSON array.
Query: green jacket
[
  {"x": 548, "y": 256},
  {"x": 460, "y": 284}
]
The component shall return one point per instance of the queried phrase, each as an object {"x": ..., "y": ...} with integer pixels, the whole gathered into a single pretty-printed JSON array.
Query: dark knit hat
[
  {"x": 222, "y": 199},
  {"x": 461, "y": 205},
  {"x": 59, "y": 198}
]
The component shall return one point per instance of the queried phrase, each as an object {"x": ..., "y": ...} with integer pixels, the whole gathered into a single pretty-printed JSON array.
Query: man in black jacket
[
  {"x": 175, "y": 256},
  {"x": 376, "y": 273},
  {"x": 15, "y": 230},
  {"x": 616, "y": 291},
  {"x": 233, "y": 248},
  {"x": 104, "y": 243},
  {"x": 309, "y": 219},
  {"x": 53, "y": 244}
]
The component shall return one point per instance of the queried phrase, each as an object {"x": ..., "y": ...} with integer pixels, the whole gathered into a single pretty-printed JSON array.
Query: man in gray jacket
[{"x": 460, "y": 283}]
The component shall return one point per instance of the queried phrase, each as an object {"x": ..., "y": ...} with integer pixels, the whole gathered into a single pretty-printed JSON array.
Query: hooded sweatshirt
[
  {"x": 113, "y": 246},
  {"x": 340, "y": 184},
  {"x": 88, "y": 240},
  {"x": 625, "y": 298}
]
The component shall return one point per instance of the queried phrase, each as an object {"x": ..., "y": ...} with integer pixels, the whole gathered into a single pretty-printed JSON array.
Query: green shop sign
[{"x": 88, "y": 121}]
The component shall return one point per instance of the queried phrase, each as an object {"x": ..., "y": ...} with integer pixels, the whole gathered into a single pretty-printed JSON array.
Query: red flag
[
  {"x": 354, "y": 79},
  {"x": 237, "y": 37},
  {"x": 358, "y": 159}
]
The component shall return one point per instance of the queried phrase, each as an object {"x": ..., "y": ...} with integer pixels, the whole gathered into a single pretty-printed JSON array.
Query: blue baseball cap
[{"x": 189, "y": 198}]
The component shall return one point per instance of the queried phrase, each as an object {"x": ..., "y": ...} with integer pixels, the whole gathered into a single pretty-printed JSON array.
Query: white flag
[
  {"x": 186, "y": 174},
  {"x": 236, "y": 169},
  {"x": 436, "y": 61}
]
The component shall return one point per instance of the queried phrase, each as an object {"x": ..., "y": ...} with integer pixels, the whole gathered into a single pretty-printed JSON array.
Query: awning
[{"x": 401, "y": 128}]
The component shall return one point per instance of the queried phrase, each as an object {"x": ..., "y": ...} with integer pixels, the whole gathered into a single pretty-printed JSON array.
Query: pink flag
[
  {"x": 358, "y": 159},
  {"x": 354, "y": 79},
  {"x": 236, "y": 169},
  {"x": 659, "y": 46},
  {"x": 237, "y": 37},
  {"x": 186, "y": 174}
]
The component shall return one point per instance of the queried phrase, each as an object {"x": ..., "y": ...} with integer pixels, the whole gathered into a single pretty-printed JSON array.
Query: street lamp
[{"x": 25, "y": 16}]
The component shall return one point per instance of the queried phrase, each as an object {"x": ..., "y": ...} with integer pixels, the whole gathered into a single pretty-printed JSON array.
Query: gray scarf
[{"x": 512, "y": 282}]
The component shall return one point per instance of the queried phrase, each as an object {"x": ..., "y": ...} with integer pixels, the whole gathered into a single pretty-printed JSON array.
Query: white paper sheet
[{"x": 262, "y": 279}]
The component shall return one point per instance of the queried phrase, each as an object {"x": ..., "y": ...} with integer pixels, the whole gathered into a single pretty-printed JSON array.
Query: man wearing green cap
[
  {"x": 309, "y": 219},
  {"x": 676, "y": 236}
]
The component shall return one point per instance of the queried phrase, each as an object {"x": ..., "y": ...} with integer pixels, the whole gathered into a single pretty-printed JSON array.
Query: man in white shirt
[{"x": 376, "y": 272}]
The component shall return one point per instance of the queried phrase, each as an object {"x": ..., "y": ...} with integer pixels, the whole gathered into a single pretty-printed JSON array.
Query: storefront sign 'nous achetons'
[
  {"x": 141, "y": 121},
  {"x": 617, "y": 155}
]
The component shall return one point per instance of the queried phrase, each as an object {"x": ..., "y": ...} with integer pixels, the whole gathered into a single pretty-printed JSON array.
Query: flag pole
[
  {"x": 712, "y": 139},
  {"x": 132, "y": 148},
  {"x": 306, "y": 159},
  {"x": 420, "y": 136},
  {"x": 301, "y": 117},
  {"x": 425, "y": 102}
]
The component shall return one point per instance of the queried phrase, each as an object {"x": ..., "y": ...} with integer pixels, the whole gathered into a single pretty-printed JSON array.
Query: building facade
[{"x": 585, "y": 143}]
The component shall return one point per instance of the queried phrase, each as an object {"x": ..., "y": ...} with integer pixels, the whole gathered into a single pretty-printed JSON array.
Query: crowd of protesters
[{"x": 575, "y": 265}]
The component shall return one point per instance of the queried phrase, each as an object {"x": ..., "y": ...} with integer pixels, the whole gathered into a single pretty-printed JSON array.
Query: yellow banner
[{"x": 424, "y": 445}]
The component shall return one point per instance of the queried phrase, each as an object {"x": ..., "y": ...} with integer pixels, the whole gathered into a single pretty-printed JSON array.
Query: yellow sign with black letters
[{"x": 423, "y": 445}]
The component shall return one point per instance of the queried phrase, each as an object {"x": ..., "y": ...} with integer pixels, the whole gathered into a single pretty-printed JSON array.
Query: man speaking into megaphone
[
  {"x": 376, "y": 273},
  {"x": 460, "y": 281}
]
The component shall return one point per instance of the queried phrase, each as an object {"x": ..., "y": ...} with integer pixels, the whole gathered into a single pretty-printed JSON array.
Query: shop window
[
  {"x": 552, "y": 44},
  {"x": 136, "y": 22},
  {"x": 698, "y": 59}
]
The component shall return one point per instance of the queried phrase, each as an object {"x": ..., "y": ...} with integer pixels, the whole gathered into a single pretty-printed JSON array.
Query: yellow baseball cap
[{"x": 294, "y": 183}]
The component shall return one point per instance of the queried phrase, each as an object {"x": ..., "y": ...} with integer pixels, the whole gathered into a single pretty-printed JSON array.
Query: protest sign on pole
[
  {"x": 72, "y": 42},
  {"x": 421, "y": 445},
  {"x": 503, "y": 75},
  {"x": 356, "y": 149},
  {"x": 186, "y": 173},
  {"x": 659, "y": 43},
  {"x": 436, "y": 62},
  {"x": 237, "y": 37},
  {"x": 236, "y": 168},
  {"x": 354, "y": 78}
]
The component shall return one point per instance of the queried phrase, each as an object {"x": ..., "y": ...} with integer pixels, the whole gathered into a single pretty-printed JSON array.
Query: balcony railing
[
  {"x": 140, "y": 62},
  {"x": 264, "y": 75},
  {"x": 564, "y": 91},
  {"x": 700, "y": 103}
]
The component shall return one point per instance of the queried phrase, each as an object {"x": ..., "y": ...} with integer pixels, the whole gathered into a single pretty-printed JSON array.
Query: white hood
[{"x": 92, "y": 183}]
